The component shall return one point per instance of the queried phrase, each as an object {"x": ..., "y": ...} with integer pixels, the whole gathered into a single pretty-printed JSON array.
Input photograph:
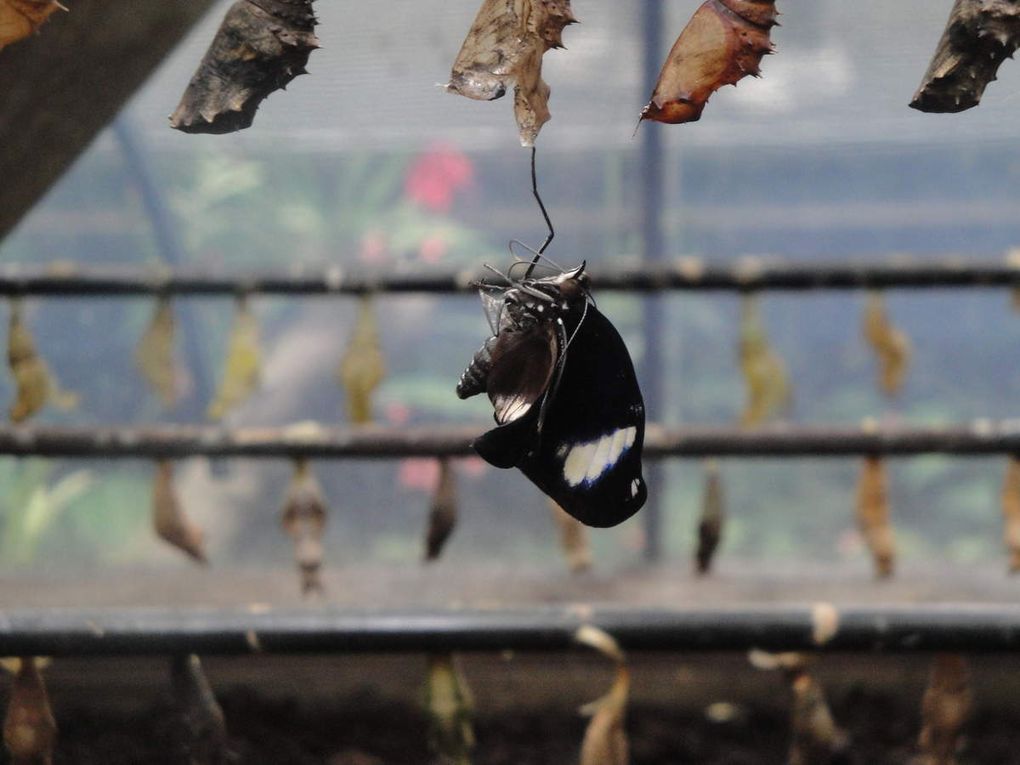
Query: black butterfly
[{"x": 567, "y": 404}]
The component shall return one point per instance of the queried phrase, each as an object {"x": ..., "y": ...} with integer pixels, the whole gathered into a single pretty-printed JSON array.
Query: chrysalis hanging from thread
[
  {"x": 30, "y": 730},
  {"x": 34, "y": 383},
  {"x": 765, "y": 378},
  {"x": 242, "y": 368},
  {"x": 154, "y": 355},
  {"x": 304, "y": 520},
  {"x": 442, "y": 512},
  {"x": 713, "y": 518},
  {"x": 815, "y": 736},
  {"x": 362, "y": 368},
  {"x": 574, "y": 540},
  {"x": 605, "y": 740},
  {"x": 891, "y": 345},
  {"x": 22, "y": 18},
  {"x": 945, "y": 708},
  {"x": 260, "y": 47},
  {"x": 171, "y": 523},
  {"x": 873, "y": 515},
  {"x": 1011, "y": 513},
  {"x": 450, "y": 709},
  {"x": 203, "y": 738}
]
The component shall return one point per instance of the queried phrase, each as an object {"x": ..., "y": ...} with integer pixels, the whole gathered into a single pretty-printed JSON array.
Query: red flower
[{"x": 436, "y": 175}]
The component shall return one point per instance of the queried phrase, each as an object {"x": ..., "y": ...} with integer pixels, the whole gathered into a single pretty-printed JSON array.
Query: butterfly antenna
[{"x": 545, "y": 214}]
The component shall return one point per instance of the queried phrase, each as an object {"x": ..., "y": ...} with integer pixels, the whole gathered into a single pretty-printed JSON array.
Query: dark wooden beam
[{"x": 60, "y": 88}]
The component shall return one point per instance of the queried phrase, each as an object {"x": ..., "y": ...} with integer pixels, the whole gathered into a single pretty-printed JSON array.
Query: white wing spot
[
  {"x": 635, "y": 487},
  {"x": 586, "y": 462}
]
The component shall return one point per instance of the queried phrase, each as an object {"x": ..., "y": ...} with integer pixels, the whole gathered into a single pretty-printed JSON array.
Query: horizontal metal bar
[
  {"x": 982, "y": 437},
  {"x": 687, "y": 273},
  {"x": 92, "y": 632}
]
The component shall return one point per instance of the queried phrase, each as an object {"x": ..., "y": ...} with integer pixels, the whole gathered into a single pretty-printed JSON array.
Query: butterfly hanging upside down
[{"x": 568, "y": 408}]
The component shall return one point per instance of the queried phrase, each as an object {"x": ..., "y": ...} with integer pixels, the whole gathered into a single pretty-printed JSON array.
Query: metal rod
[
  {"x": 112, "y": 632},
  {"x": 690, "y": 274},
  {"x": 653, "y": 252},
  {"x": 975, "y": 439}
]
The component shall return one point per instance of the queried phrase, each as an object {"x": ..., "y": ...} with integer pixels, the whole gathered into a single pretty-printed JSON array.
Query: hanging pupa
[
  {"x": 450, "y": 709},
  {"x": 442, "y": 512},
  {"x": 242, "y": 368},
  {"x": 945, "y": 708},
  {"x": 765, "y": 378},
  {"x": 891, "y": 345},
  {"x": 1011, "y": 513},
  {"x": 605, "y": 740},
  {"x": 21, "y": 18},
  {"x": 505, "y": 46},
  {"x": 723, "y": 42},
  {"x": 35, "y": 384},
  {"x": 713, "y": 518},
  {"x": 203, "y": 738},
  {"x": 154, "y": 355},
  {"x": 259, "y": 48},
  {"x": 304, "y": 520},
  {"x": 362, "y": 367},
  {"x": 873, "y": 519},
  {"x": 30, "y": 730},
  {"x": 574, "y": 539},
  {"x": 815, "y": 736},
  {"x": 168, "y": 518}
]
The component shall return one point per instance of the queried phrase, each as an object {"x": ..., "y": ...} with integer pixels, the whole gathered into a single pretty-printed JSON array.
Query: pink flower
[
  {"x": 473, "y": 467},
  {"x": 432, "y": 248},
  {"x": 398, "y": 413},
  {"x": 436, "y": 175},
  {"x": 419, "y": 473},
  {"x": 373, "y": 247}
]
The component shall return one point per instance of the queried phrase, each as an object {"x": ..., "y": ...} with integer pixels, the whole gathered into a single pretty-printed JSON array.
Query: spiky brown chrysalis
[
  {"x": 978, "y": 37},
  {"x": 723, "y": 42},
  {"x": 21, "y": 18},
  {"x": 260, "y": 47}
]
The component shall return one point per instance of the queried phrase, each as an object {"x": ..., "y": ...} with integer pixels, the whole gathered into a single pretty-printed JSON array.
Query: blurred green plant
[{"x": 31, "y": 506}]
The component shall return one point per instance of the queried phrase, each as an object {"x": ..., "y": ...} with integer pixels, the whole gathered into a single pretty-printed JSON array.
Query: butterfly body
[{"x": 566, "y": 401}]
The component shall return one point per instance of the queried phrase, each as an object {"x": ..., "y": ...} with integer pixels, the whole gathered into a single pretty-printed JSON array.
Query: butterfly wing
[
  {"x": 588, "y": 455},
  {"x": 522, "y": 366}
]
